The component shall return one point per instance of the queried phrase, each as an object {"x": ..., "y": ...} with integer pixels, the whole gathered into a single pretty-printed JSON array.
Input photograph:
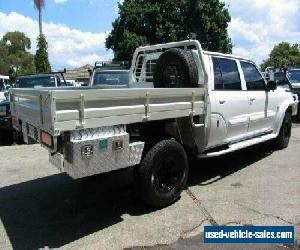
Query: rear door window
[{"x": 226, "y": 74}]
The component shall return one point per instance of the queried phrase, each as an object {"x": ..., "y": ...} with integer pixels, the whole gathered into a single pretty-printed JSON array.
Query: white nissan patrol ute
[{"x": 181, "y": 102}]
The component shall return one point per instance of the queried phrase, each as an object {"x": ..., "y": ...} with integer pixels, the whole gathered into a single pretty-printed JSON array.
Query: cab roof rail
[
  {"x": 105, "y": 64},
  {"x": 46, "y": 73}
]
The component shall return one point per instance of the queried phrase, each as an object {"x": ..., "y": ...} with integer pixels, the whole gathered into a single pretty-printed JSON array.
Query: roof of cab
[{"x": 231, "y": 56}]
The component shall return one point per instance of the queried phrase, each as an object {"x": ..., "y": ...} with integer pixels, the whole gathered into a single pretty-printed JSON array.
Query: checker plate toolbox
[{"x": 96, "y": 151}]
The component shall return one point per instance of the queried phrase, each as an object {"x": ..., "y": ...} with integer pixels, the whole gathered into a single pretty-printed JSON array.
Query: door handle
[
  {"x": 222, "y": 101},
  {"x": 252, "y": 99}
]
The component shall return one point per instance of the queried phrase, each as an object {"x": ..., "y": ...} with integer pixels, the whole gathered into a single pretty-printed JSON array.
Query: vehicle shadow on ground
[
  {"x": 5, "y": 138},
  {"x": 56, "y": 210},
  {"x": 207, "y": 171}
]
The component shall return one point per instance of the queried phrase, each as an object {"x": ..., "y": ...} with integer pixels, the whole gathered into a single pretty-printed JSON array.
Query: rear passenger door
[
  {"x": 230, "y": 100},
  {"x": 261, "y": 111}
]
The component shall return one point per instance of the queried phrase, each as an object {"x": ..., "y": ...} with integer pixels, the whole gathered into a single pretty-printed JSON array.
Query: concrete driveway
[{"x": 40, "y": 207}]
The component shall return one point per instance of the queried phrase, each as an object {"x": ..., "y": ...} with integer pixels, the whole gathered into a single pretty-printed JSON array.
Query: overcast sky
[{"x": 76, "y": 29}]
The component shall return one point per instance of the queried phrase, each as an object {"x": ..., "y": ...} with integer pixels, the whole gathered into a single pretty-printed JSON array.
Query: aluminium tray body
[{"x": 59, "y": 110}]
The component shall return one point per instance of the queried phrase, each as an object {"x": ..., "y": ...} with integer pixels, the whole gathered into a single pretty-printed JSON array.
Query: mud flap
[{"x": 192, "y": 138}]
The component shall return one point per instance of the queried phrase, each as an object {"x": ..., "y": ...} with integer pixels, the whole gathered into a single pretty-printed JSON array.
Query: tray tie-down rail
[
  {"x": 81, "y": 112},
  {"x": 192, "y": 113}
]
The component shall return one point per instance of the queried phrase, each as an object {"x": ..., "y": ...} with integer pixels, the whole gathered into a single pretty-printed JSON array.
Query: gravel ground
[{"x": 40, "y": 207}]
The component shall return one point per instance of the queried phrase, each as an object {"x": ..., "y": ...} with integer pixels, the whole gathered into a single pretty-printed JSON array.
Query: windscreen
[
  {"x": 36, "y": 82},
  {"x": 294, "y": 76},
  {"x": 111, "y": 78}
]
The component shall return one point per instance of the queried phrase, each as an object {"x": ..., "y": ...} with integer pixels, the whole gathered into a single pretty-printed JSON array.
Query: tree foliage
[
  {"x": 39, "y": 4},
  {"x": 41, "y": 57},
  {"x": 14, "y": 48},
  {"x": 16, "y": 41},
  {"x": 283, "y": 54},
  {"x": 4, "y": 64},
  {"x": 142, "y": 22}
]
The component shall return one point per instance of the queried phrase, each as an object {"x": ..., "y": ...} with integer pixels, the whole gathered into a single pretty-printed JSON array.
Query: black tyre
[
  {"x": 18, "y": 137},
  {"x": 175, "y": 68},
  {"x": 6, "y": 138},
  {"x": 283, "y": 139},
  {"x": 163, "y": 173}
]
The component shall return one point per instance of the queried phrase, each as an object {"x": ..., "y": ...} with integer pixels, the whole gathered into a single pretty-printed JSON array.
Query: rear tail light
[{"x": 46, "y": 139}]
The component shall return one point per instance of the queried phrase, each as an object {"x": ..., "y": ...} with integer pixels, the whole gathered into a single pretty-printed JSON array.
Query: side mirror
[{"x": 271, "y": 85}]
